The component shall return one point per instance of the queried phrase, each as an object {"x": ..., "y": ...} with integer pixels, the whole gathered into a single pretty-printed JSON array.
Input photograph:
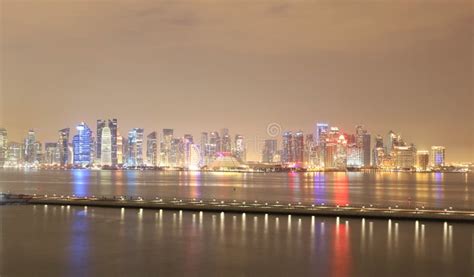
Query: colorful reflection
[
  {"x": 340, "y": 262},
  {"x": 341, "y": 189},
  {"x": 80, "y": 184}
]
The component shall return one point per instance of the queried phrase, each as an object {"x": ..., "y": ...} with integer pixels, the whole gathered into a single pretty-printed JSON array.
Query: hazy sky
[{"x": 202, "y": 65}]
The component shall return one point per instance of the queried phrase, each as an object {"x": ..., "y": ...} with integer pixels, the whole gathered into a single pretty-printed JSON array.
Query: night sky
[{"x": 199, "y": 66}]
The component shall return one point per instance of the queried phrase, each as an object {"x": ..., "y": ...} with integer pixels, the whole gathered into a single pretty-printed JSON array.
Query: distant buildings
[
  {"x": 269, "y": 151},
  {"x": 438, "y": 156},
  {"x": 152, "y": 149},
  {"x": 327, "y": 148},
  {"x": 239, "y": 148},
  {"x": 105, "y": 146},
  {"x": 135, "y": 148},
  {"x": 63, "y": 146},
  {"x": 3, "y": 146},
  {"x": 82, "y": 146},
  {"x": 422, "y": 160}
]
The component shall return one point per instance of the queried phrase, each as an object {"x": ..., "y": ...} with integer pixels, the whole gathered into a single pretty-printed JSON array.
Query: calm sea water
[
  {"x": 440, "y": 190},
  {"x": 76, "y": 241},
  {"x": 60, "y": 241}
]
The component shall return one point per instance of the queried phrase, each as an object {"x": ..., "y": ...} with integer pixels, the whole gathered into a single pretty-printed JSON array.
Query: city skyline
[
  {"x": 326, "y": 147},
  {"x": 170, "y": 65}
]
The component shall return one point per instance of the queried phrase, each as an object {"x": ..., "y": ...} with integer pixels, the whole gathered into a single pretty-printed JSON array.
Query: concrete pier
[{"x": 246, "y": 207}]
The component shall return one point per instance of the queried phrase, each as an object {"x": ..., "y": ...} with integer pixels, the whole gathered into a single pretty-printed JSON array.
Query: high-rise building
[
  {"x": 362, "y": 140},
  {"x": 106, "y": 146},
  {"x": 14, "y": 155},
  {"x": 152, "y": 149},
  {"x": 354, "y": 156},
  {"x": 187, "y": 142},
  {"x": 287, "y": 155},
  {"x": 195, "y": 157},
  {"x": 203, "y": 147},
  {"x": 51, "y": 153},
  {"x": 239, "y": 148},
  {"x": 82, "y": 146},
  {"x": 113, "y": 126},
  {"x": 226, "y": 145},
  {"x": 63, "y": 145},
  {"x": 119, "y": 149},
  {"x": 135, "y": 147},
  {"x": 422, "y": 160},
  {"x": 3, "y": 146},
  {"x": 269, "y": 151},
  {"x": 341, "y": 152},
  {"x": 165, "y": 147},
  {"x": 404, "y": 157},
  {"x": 298, "y": 151},
  {"x": 320, "y": 133},
  {"x": 379, "y": 151},
  {"x": 438, "y": 156},
  {"x": 30, "y": 148}
]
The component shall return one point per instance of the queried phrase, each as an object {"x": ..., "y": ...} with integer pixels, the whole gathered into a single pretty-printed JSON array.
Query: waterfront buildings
[
  {"x": 239, "y": 150},
  {"x": 328, "y": 148},
  {"x": 30, "y": 148},
  {"x": 82, "y": 146},
  {"x": 105, "y": 146},
  {"x": 135, "y": 147},
  {"x": 404, "y": 157},
  {"x": 3, "y": 146},
  {"x": 269, "y": 151},
  {"x": 165, "y": 148},
  {"x": 422, "y": 160},
  {"x": 438, "y": 156},
  {"x": 152, "y": 149},
  {"x": 63, "y": 146}
]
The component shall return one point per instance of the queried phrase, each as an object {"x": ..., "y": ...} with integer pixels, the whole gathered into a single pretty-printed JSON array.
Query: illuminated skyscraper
[
  {"x": 82, "y": 145},
  {"x": 269, "y": 151},
  {"x": 226, "y": 145},
  {"x": 379, "y": 151},
  {"x": 51, "y": 153},
  {"x": 239, "y": 148},
  {"x": 3, "y": 146},
  {"x": 152, "y": 149},
  {"x": 135, "y": 147},
  {"x": 298, "y": 151},
  {"x": 195, "y": 158},
  {"x": 165, "y": 147},
  {"x": 113, "y": 126},
  {"x": 106, "y": 147},
  {"x": 119, "y": 149},
  {"x": 63, "y": 146},
  {"x": 30, "y": 148},
  {"x": 320, "y": 133},
  {"x": 404, "y": 157},
  {"x": 438, "y": 156},
  {"x": 422, "y": 160},
  {"x": 363, "y": 142},
  {"x": 14, "y": 155},
  {"x": 287, "y": 155},
  {"x": 187, "y": 142}
]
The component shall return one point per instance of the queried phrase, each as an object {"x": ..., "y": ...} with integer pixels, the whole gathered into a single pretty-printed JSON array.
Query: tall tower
[
  {"x": 152, "y": 149},
  {"x": 30, "y": 148},
  {"x": 438, "y": 156},
  {"x": 3, "y": 146},
  {"x": 63, "y": 146},
  {"x": 106, "y": 147},
  {"x": 239, "y": 148},
  {"x": 82, "y": 143}
]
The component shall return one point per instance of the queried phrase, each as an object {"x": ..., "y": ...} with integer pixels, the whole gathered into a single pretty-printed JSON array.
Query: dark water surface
[
  {"x": 76, "y": 241},
  {"x": 439, "y": 190}
]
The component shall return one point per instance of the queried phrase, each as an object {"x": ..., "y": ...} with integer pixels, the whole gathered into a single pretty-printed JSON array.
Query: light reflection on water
[
  {"x": 439, "y": 190},
  {"x": 315, "y": 245}
]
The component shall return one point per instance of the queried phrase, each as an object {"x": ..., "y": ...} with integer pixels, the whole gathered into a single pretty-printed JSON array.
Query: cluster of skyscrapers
[
  {"x": 330, "y": 148},
  {"x": 326, "y": 148},
  {"x": 109, "y": 149}
]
